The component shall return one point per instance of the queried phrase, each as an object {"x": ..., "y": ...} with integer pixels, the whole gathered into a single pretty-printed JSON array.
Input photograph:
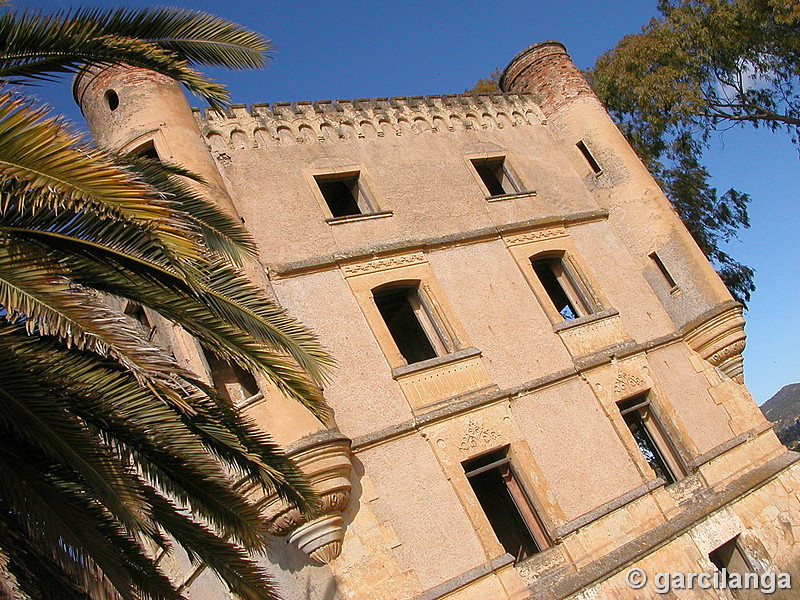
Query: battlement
[{"x": 328, "y": 121}]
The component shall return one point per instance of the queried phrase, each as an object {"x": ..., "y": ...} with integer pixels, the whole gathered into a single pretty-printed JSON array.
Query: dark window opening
[
  {"x": 663, "y": 269},
  {"x": 231, "y": 381},
  {"x": 112, "y": 99},
  {"x": 146, "y": 150},
  {"x": 407, "y": 319},
  {"x": 562, "y": 289},
  {"x": 344, "y": 196},
  {"x": 589, "y": 158},
  {"x": 505, "y": 504},
  {"x": 649, "y": 437},
  {"x": 730, "y": 558},
  {"x": 137, "y": 313},
  {"x": 495, "y": 176}
]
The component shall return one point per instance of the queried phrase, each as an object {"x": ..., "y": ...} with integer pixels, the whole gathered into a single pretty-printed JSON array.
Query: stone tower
[{"x": 540, "y": 381}]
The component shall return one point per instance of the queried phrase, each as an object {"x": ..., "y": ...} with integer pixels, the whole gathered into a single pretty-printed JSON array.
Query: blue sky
[{"x": 329, "y": 50}]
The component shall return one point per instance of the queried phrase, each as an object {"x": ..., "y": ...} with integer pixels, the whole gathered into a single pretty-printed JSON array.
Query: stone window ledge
[
  {"x": 598, "y": 316},
  {"x": 364, "y": 217},
  {"x": 437, "y": 361},
  {"x": 501, "y": 197}
]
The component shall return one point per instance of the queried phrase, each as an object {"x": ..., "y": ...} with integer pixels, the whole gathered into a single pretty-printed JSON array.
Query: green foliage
[
  {"x": 704, "y": 66},
  {"x": 110, "y": 451},
  {"x": 487, "y": 85}
]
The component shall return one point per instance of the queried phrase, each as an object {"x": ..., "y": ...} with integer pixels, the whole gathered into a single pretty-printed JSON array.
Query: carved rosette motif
[
  {"x": 327, "y": 465},
  {"x": 477, "y": 434},
  {"x": 626, "y": 382},
  {"x": 721, "y": 341}
]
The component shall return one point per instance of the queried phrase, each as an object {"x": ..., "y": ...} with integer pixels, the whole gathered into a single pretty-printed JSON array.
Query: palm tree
[{"x": 110, "y": 451}]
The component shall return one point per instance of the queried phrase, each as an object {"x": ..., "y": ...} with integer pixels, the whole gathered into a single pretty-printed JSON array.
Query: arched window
[
  {"x": 410, "y": 315},
  {"x": 563, "y": 287}
]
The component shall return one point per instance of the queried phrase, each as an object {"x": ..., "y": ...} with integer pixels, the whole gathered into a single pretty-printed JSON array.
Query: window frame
[
  {"x": 518, "y": 494},
  {"x": 504, "y": 176},
  {"x": 429, "y": 316},
  {"x": 663, "y": 447},
  {"x": 574, "y": 287}
]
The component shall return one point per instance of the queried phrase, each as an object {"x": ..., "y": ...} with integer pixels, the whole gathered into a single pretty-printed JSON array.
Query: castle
[{"x": 540, "y": 381}]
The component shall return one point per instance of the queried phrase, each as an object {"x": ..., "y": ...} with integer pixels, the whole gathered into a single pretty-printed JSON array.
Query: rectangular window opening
[
  {"x": 231, "y": 381},
  {"x": 589, "y": 158},
  {"x": 730, "y": 558},
  {"x": 663, "y": 270},
  {"x": 562, "y": 287},
  {"x": 495, "y": 176},
  {"x": 137, "y": 313},
  {"x": 344, "y": 195},
  {"x": 505, "y": 504},
  {"x": 654, "y": 445},
  {"x": 146, "y": 150},
  {"x": 416, "y": 332}
]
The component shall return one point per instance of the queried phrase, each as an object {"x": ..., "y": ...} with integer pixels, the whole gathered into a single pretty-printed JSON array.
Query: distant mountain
[{"x": 783, "y": 409}]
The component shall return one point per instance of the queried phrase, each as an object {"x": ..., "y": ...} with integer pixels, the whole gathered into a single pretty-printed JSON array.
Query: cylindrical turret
[
  {"x": 130, "y": 109},
  {"x": 616, "y": 177}
]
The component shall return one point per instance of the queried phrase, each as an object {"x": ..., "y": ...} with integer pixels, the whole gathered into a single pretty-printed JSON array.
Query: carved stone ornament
[
  {"x": 721, "y": 341},
  {"x": 536, "y": 236},
  {"x": 627, "y": 381},
  {"x": 382, "y": 264},
  {"x": 326, "y": 463},
  {"x": 477, "y": 434}
]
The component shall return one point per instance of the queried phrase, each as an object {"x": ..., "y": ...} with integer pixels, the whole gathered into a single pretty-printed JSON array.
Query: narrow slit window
[
  {"x": 729, "y": 558},
  {"x": 663, "y": 270},
  {"x": 589, "y": 158},
  {"x": 496, "y": 176},
  {"x": 650, "y": 438},
  {"x": 345, "y": 196},
  {"x": 562, "y": 287},
  {"x": 412, "y": 323},
  {"x": 231, "y": 381},
  {"x": 505, "y": 504}
]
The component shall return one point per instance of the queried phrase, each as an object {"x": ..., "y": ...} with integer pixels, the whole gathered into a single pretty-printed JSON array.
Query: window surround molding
[
  {"x": 156, "y": 138},
  {"x": 477, "y": 433},
  {"x": 555, "y": 242},
  {"x": 456, "y": 369},
  {"x": 520, "y": 190},
  {"x": 365, "y": 186}
]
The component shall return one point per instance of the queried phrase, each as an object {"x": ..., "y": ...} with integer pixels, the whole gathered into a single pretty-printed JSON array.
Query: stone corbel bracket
[
  {"x": 324, "y": 458},
  {"x": 720, "y": 340}
]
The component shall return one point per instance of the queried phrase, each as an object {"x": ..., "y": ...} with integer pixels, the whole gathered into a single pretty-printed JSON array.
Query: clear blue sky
[{"x": 329, "y": 50}]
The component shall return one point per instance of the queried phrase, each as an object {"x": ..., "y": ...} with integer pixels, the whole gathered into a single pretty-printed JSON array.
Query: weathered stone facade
[{"x": 569, "y": 339}]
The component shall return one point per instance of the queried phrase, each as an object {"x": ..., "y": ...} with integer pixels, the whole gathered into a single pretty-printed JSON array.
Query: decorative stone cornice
[
  {"x": 325, "y": 460},
  {"x": 328, "y": 121},
  {"x": 720, "y": 340}
]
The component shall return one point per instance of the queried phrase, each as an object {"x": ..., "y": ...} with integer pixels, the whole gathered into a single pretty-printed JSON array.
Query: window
[
  {"x": 589, "y": 158},
  {"x": 412, "y": 322},
  {"x": 112, "y": 99},
  {"x": 506, "y": 504},
  {"x": 137, "y": 313},
  {"x": 146, "y": 150},
  {"x": 231, "y": 381},
  {"x": 344, "y": 195},
  {"x": 562, "y": 287},
  {"x": 496, "y": 176},
  {"x": 731, "y": 559},
  {"x": 663, "y": 270},
  {"x": 649, "y": 436}
]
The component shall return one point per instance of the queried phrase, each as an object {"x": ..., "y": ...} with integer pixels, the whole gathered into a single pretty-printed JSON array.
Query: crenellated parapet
[{"x": 327, "y": 121}]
